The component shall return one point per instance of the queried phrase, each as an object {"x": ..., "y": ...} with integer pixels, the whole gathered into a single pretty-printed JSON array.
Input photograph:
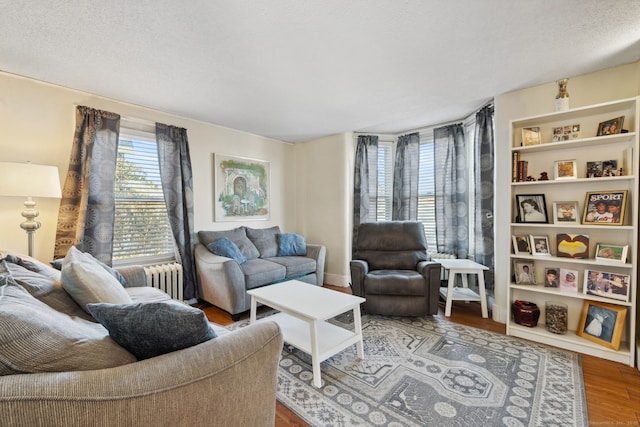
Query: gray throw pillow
[
  {"x": 36, "y": 338},
  {"x": 238, "y": 236},
  {"x": 265, "y": 240},
  {"x": 74, "y": 254},
  {"x": 155, "y": 328}
]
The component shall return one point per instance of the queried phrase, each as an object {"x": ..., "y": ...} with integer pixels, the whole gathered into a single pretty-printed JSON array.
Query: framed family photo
[
  {"x": 616, "y": 253},
  {"x": 611, "y": 126},
  {"x": 605, "y": 207},
  {"x": 524, "y": 274},
  {"x": 607, "y": 285},
  {"x": 602, "y": 323},
  {"x": 532, "y": 208},
  {"x": 540, "y": 245},
  {"x": 521, "y": 245},
  {"x": 565, "y": 212}
]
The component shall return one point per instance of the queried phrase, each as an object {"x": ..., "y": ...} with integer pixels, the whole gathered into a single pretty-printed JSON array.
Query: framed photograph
[
  {"x": 531, "y": 136},
  {"x": 532, "y": 208},
  {"x": 565, "y": 212},
  {"x": 569, "y": 280},
  {"x": 616, "y": 253},
  {"x": 565, "y": 169},
  {"x": 551, "y": 277},
  {"x": 594, "y": 169},
  {"x": 521, "y": 245},
  {"x": 607, "y": 285},
  {"x": 602, "y": 323},
  {"x": 610, "y": 127},
  {"x": 241, "y": 188},
  {"x": 539, "y": 245},
  {"x": 605, "y": 207},
  {"x": 572, "y": 245},
  {"x": 524, "y": 273},
  {"x": 609, "y": 168}
]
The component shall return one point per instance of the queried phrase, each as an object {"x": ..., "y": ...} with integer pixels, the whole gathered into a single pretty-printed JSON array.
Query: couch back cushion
[
  {"x": 36, "y": 338},
  {"x": 265, "y": 239},
  {"x": 237, "y": 236},
  {"x": 391, "y": 244}
]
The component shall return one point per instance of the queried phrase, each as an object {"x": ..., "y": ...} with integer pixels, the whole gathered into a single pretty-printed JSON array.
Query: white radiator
[
  {"x": 444, "y": 274},
  {"x": 167, "y": 278}
]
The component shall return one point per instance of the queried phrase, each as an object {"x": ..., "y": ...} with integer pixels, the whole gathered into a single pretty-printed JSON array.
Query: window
[
  {"x": 427, "y": 189},
  {"x": 141, "y": 226}
]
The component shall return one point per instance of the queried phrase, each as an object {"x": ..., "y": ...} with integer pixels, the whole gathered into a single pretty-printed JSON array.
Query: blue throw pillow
[
  {"x": 290, "y": 244},
  {"x": 226, "y": 248},
  {"x": 149, "y": 329}
]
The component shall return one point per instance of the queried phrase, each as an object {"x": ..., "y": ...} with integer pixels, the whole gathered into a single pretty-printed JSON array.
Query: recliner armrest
[{"x": 359, "y": 269}]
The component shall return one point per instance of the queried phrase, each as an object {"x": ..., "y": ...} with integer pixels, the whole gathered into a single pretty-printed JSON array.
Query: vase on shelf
[{"x": 562, "y": 98}]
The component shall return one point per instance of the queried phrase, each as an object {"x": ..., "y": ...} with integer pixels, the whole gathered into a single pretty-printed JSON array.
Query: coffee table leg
[
  {"x": 447, "y": 307},
  {"x": 315, "y": 355},
  {"x": 254, "y": 308},
  {"x": 357, "y": 321}
]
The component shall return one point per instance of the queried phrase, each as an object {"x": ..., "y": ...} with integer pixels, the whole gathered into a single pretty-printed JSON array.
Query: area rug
[{"x": 432, "y": 372}]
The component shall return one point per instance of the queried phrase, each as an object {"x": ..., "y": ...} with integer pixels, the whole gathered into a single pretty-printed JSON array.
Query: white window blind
[
  {"x": 385, "y": 181},
  {"x": 141, "y": 226},
  {"x": 426, "y": 190}
]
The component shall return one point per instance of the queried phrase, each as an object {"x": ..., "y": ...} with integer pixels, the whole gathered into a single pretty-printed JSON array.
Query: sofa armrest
[
  {"x": 210, "y": 382},
  {"x": 220, "y": 279},
  {"x": 430, "y": 270},
  {"x": 319, "y": 253},
  {"x": 134, "y": 275},
  {"x": 359, "y": 269}
]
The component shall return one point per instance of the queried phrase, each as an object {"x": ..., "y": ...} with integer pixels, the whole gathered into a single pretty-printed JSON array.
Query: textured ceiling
[{"x": 295, "y": 70}]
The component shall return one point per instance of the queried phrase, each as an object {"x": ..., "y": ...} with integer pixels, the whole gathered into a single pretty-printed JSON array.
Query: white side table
[{"x": 451, "y": 293}]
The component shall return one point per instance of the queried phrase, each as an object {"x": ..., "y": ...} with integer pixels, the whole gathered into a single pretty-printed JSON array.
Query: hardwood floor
[{"x": 612, "y": 389}]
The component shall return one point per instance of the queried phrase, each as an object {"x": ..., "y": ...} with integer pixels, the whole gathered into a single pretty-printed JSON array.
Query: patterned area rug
[{"x": 432, "y": 372}]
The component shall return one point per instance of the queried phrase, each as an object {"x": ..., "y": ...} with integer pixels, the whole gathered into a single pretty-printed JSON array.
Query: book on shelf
[
  {"x": 522, "y": 170},
  {"x": 514, "y": 166}
]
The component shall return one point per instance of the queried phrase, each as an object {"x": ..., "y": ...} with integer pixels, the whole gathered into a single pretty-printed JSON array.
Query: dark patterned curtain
[
  {"x": 405, "y": 178},
  {"x": 484, "y": 184},
  {"x": 177, "y": 186},
  {"x": 365, "y": 181},
  {"x": 452, "y": 230},
  {"x": 86, "y": 214}
]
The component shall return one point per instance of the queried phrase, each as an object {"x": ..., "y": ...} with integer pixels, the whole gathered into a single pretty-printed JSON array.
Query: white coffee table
[
  {"x": 451, "y": 293},
  {"x": 304, "y": 309}
]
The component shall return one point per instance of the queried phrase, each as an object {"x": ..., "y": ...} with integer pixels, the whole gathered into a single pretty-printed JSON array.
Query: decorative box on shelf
[{"x": 525, "y": 313}]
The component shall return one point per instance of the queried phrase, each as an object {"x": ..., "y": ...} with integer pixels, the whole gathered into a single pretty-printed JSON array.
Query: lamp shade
[{"x": 29, "y": 180}]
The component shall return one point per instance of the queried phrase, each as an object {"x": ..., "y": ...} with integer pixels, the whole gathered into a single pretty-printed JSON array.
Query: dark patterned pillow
[{"x": 154, "y": 328}]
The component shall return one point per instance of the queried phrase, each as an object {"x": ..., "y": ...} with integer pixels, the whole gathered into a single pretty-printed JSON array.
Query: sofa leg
[{"x": 236, "y": 317}]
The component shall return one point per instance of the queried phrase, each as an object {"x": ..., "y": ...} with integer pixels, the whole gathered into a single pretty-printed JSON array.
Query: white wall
[
  {"x": 606, "y": 85},
  {"x": 37, "y": 123}
]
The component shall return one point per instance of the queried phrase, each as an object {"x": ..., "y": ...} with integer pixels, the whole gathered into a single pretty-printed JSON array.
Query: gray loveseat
[
  {"x": 224, "y": 281},
  {"x": 206, "y": 384}
]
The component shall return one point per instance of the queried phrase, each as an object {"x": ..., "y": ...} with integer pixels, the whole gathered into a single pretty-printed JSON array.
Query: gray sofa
[
  {"x": 224, "y": 281},
  {"x": 202, "y": 385}
]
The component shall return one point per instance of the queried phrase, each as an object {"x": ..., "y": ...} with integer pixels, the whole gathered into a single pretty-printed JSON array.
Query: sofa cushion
[
  {"x": 265, "y": 240},
  {"x": 295, "y": 265},
  {"x": 237, "y": 236},
  {"x": 259, "y": 272},
  {"x": 73, "y": 254},
  {"x": 88, "y": 282},
  {"x": 226, "y": 248},
  {"x": 147, "y": 294},
  {"x": 149, "y": 329},
  {"x": 46, "y": 289},
  {"x": 36, "y": 338},
  {"x": 290, "y": 244}
]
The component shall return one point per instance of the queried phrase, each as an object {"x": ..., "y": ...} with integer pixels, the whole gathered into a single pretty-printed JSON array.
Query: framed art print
[
  {"x": 569, "y": 245},
  {"x": 602, "y": 323},
  {"x": 565, "y": 169},
  {"x": 605, "y": 207},
  {"x": 531, "y": 136},
  {"x": 241, "y": 188},
  {"x": 532, "y": 208},
  {"x": 565, "y": 212}
]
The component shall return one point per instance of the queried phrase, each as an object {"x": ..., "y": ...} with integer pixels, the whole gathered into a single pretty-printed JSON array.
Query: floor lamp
[{"x": 29, "y": 180}]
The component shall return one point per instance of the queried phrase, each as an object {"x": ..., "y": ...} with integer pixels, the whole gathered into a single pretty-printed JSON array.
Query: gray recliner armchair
[{"x": 391, "y": 269}]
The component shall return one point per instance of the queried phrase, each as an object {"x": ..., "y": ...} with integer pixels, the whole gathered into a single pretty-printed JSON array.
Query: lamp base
[{"x": 30, "y": 225}]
